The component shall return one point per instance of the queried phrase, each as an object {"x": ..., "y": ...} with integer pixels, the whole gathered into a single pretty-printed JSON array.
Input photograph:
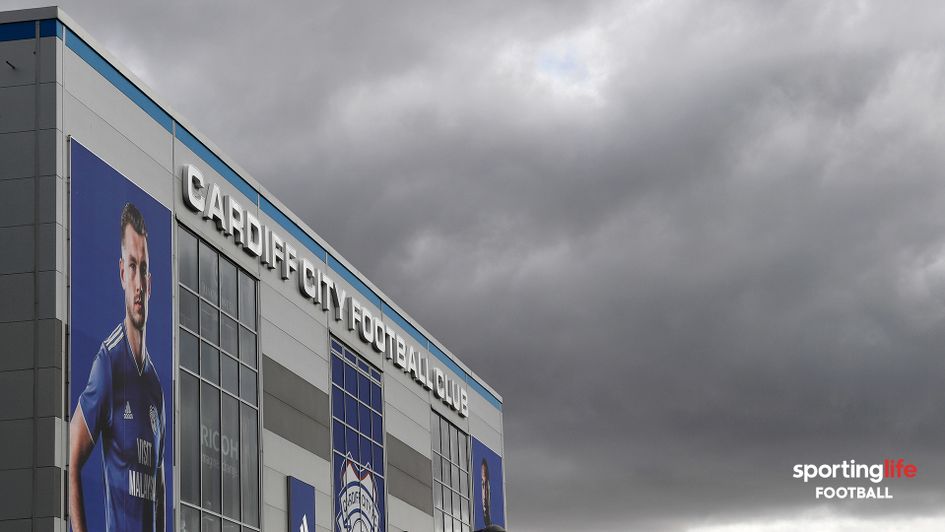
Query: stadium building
[{"x": 182, "y": 352}]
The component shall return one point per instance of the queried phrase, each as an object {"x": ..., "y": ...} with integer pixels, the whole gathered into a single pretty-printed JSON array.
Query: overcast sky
[{"x": 691, "y": 243}]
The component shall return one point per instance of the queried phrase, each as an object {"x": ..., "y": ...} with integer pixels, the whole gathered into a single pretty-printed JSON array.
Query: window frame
[
  {"x": 358, "y": 364},
  {"x": 255, "y": 403},
  {"x": 448, "y": 432}
]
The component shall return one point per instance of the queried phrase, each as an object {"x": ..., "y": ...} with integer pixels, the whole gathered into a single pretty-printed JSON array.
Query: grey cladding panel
[
  {"x": 51, "y": 197},
  {"x": 295, "y": 409},
  {"x": 50, "y": 55},
  {"x": 17, "y": 287},
  {"x": 17, "y": 384},
  {"x": 17, "y": 154},
  {"x": 17, "y": 345},
  {"x": 19, "y": 105},
  {"x": 408, "y": 460},
  {"x": 295, "y": 391},
  {"x": 50, "y": 146},
  {"x": 18, "y": 62},
  {"x": 50, "y": 439},
  {"x": 49, "y": 109},
  {"x": 410, "y": 490},
  {"x": 19, "y": 525},
  {"x": 49, "y": 243},
  {"x": 48, "y": 492},
  {"x": 409, "y": 475},
  {"x": 50, "y": 343},
  {"x": 50, "y": 294},
  {"x": 16, "y": 201},
  {"x": 295, "y": 426},
  {"x": 16, "y": 503},
  {"x": 18, "y": 444},
  {"x": 294, "y": 355},
  {"x": 50, "y": 402},
  {"x": 18, "y": 241}
]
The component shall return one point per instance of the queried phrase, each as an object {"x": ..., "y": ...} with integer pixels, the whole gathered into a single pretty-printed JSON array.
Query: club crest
[
  {"x": 357, "y": 499},
  {"x": 155, "y": 419}
]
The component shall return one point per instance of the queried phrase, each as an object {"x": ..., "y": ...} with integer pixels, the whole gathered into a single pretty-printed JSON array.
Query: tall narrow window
[
  {"x": 357, "y": 441},
  {"x": 450, "y": 477},
  {"x": 219, "y": 432}
]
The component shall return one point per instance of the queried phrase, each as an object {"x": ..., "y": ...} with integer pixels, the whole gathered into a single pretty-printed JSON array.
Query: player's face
[
  {"x": 485, "y": 486},
  {"x": 135, "y": 276}
]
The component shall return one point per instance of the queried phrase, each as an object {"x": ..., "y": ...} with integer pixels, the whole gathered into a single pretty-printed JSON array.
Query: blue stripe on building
[
  {"x": 50, "y": 28},
  {"x": 16, "y": 31}
]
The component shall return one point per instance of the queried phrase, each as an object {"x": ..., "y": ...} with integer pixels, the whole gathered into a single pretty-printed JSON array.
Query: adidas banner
[{"x": 301, "y": 506}]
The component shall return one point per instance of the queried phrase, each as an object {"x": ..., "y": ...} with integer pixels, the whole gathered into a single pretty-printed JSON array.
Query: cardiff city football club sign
[
  {"x": 318, "y": 288},
  {"x": 357, "y": 499}
]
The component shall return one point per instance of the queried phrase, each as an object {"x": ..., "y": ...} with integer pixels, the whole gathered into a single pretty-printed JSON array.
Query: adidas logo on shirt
[
  {"x": 128, "y": 411},
  {"x": 304, "y": 527}
]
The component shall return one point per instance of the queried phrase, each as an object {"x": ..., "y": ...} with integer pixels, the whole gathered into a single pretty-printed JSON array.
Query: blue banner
[
  {"x": 121, "y": 443},
  {"x": 301, "y": 506},
  {"x": 488, "y": 497}
]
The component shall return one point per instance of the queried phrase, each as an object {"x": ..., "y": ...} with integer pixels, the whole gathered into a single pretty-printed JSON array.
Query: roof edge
[{"x": 30, "y": 14}]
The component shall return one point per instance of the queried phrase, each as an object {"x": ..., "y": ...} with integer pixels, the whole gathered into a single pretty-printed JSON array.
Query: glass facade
[
  {"x": 219, "y": 427},
  {"x": 219, "y": 432},
  {"x": 357, "y": 435},
  {"x": 450, "y": 477}
]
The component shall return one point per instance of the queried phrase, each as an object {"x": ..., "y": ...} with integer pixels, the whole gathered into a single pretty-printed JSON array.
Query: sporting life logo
[
  {"x": 357, "y": 499},
  {"x": 875, "y": 473}
]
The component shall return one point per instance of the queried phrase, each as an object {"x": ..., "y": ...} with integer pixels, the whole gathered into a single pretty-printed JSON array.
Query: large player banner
[
  {"x": 488, "y": 499},
  {"x": 121, "y": 430}
]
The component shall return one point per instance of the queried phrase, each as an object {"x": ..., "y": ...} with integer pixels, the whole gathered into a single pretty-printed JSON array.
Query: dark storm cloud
[{"x": 692, "y": 244}]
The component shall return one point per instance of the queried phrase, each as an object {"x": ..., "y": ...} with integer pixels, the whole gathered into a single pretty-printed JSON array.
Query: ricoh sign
[{"x": 317, "y": 287}]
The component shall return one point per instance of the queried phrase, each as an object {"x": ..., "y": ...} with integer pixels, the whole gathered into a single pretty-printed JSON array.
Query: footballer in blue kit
[{"x": 122, "y": 406}]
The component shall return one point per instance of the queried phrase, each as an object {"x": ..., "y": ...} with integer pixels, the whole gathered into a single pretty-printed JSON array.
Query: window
[
  {"x": 357, "y": 434},
  {"x": 219, "y": 432},
  {"x": 450, "y": 477}
]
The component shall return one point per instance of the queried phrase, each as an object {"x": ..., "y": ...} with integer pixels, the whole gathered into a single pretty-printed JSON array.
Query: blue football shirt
[{"x": 123, "y": 405}]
